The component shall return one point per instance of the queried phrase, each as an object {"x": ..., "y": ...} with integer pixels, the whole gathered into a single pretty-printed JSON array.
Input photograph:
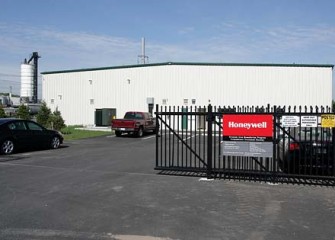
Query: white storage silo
[{"x": 27, "y": 81}]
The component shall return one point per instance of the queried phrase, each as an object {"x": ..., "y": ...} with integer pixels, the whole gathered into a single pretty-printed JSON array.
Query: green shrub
[
  {"x": 43, "y": 115},
  {"x": 23, "y": 112},
  {"x": 2, "y": 112},
  {"x": 56, "y": 120}
]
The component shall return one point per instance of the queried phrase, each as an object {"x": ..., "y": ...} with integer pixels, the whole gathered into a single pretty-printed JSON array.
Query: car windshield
[{"x": 315, "y": 133}]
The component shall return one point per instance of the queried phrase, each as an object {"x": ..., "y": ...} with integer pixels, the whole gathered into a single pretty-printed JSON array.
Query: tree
[
  {"x": 23, "y": 112},
  {"x": 43, "y": 115},
  {"x": 2, "y": 112},
  {"x": 56, "y": 120}
]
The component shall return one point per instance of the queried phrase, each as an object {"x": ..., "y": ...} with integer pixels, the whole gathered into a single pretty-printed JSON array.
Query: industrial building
[{"x": 87, "y": 96}]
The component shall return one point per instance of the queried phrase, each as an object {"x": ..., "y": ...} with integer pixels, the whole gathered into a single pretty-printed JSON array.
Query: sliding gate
[{"x": 299, "y": 148}]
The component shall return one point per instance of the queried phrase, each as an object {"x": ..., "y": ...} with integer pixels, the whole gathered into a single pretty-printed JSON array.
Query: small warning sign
[
  {"x": 327, "y": 120},
  {"x": 309, "y": 121},
  {"x": 290, "y": 121}
]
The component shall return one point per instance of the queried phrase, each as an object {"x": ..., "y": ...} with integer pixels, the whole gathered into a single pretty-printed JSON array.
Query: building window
[
  {"x": 90, "y": 81},
  {"x": 164, "y": 101},
  {"x": 91, "y": 101},
  {"x": 60, "y": 97},
  {"x": 52, "y": 101},
  {"x": 193, "y": 101},
  {"x": 185, "y": 101}
]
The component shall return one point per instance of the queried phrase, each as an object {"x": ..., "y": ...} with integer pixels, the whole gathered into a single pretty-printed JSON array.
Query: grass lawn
[{"x": 70, "y": 133}]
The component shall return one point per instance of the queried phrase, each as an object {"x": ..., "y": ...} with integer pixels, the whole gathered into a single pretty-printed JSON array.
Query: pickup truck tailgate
[{"x": 123, "y": 123}]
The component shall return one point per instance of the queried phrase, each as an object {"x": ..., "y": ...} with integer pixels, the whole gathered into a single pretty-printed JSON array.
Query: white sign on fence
[
  {"x": 290, "y": 121},
  {"x": 309, "y": 121}
]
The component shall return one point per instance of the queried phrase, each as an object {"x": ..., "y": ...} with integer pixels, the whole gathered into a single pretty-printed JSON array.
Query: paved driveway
[{"x": 106, "y": 188}]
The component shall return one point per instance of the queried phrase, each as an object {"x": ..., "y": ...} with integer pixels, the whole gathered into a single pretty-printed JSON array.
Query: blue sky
[{"x": 71, "y": 34}]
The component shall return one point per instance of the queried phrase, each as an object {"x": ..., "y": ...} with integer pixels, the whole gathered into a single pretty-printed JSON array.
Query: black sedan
[
  {"x": 23, "y": 134},
  {"x": 307, "y": 151}
]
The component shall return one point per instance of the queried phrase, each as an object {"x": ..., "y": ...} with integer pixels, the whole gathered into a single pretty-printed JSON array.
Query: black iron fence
[{"x": 286, "y": 144}]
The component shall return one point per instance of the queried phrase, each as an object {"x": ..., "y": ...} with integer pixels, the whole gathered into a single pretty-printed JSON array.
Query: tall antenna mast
[{"x": 143, "y": 58}]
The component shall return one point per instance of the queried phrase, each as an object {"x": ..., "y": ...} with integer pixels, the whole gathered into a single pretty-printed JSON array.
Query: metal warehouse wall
[{"x": 78, "y": 94}]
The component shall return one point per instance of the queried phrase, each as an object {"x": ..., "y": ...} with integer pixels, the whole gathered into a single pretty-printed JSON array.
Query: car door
[
  {"x": 39, "y": 135},
  {"x": 20, "y": 133},
  {"x": 150, "y": 121}
]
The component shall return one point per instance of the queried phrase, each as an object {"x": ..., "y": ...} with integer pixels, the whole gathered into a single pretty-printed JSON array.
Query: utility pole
[{"x": 143, "y": 58}]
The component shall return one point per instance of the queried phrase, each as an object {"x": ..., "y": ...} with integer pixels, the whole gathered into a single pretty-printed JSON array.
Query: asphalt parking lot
[{"x": 107, "y": 188}]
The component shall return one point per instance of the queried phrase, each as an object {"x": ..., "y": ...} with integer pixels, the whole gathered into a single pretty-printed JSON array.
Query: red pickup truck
[{"x": 136, "y": 123}]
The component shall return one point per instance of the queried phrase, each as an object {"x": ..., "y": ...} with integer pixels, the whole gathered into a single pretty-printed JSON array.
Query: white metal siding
[{"x": 218, "y": 85}]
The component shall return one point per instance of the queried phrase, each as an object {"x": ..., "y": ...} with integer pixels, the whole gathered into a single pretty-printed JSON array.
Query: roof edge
[{"x": 191, "y": 64}]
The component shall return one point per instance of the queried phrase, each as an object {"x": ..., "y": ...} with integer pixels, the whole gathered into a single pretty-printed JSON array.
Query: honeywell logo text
[{"x": 247, "y": 125}]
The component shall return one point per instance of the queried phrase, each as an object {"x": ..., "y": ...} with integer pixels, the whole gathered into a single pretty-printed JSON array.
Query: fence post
[
  {"x": 274, "y": 149},
  {"x": 333, "y": 151},
  {"x": 209, "y": 141},
  {"x": 157, "y": 133}
]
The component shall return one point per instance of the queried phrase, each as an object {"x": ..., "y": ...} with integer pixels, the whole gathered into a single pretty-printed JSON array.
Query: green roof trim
[{"x": 191, "y": 64}]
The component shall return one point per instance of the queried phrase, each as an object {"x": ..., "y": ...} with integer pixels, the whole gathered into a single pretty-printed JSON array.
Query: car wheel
[
  {"x": 118, "y": 133},
  {"x": 7, "y": 147},
  {"x": 139, "y": 132},
  {"x": 55, "y": 142},
  {"x": 282, "y": 166}
]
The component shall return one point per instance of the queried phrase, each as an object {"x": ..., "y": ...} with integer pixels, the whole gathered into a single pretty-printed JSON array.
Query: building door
[{"x": 184, "y": 119}]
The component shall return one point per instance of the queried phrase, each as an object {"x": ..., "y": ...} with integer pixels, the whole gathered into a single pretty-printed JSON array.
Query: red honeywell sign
[{"x": 248, "y": 125}]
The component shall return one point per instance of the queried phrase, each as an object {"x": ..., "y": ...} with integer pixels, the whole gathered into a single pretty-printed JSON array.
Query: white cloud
[
  {"x": 230, "y": 42},
  {"x": 279, "y": 39},
  {"x": 79, "y": 46}
]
